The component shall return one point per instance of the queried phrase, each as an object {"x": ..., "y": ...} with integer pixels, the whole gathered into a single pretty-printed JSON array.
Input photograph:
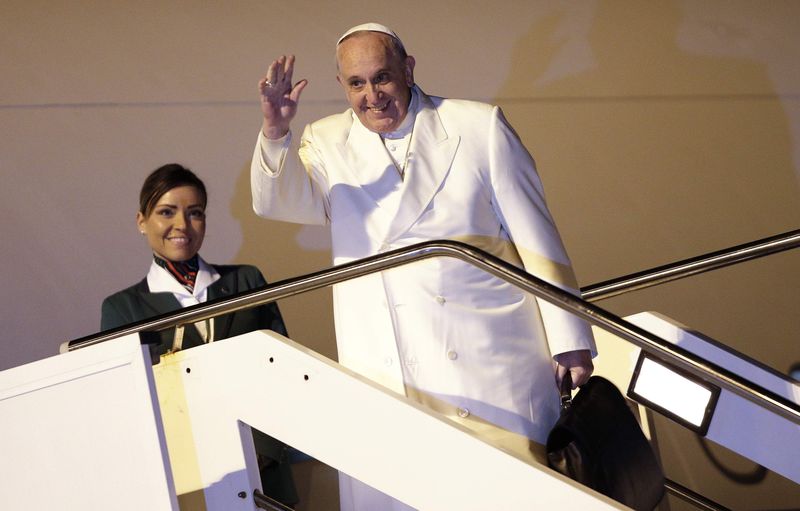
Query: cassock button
[
  {"x": 440, "y": 300},
  {"x": 463, "y": 413},
  {"x": 452, "y": 354}
]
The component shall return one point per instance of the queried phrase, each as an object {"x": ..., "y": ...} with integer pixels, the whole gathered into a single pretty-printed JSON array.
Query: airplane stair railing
[
  {"x": 445, "y": 248},
  {"x": 692, "y": 266},
  {"x": 683, "y": 269},
  {"x": 582, "y": 306}
]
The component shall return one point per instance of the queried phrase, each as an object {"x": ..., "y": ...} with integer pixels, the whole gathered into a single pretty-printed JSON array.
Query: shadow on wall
[
  {"x": 283, "y": 250},
  {"x": 651, "y": 154},
  {"x": 648, "y": 141}
]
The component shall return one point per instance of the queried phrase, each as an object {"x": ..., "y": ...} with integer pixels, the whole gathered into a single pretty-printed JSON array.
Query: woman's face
[{"x": 176, "y": 226}]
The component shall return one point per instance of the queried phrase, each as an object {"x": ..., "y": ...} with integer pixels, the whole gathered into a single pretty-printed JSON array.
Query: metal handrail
[
  {"x": 491, "y": 264},
  {"x": 692, "y": 497},
  {"x": 263, "y": 501},
  {"x": 691, "y": 266}
]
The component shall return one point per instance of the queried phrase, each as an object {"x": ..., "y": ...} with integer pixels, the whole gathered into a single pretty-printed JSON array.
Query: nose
[
  {"x": 373, "y": 93},
  {"x": 180, "y": 222}
]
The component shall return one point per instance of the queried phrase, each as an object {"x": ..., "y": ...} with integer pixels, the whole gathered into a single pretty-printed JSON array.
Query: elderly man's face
[{"x": 376, "y": 80}]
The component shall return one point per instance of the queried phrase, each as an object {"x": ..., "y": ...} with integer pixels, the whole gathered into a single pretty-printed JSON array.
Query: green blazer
[{"x": 137, "y": 303}]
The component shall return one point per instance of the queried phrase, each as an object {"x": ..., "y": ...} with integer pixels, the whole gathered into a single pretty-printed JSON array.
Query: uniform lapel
[
  {"x": 225, "y": 287},
  {"x": 431, "y": 154},
  {"x": 156, "y": 304}
]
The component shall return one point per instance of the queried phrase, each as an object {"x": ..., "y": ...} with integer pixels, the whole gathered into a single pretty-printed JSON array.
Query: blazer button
[
  {"x": 440, "y": 300},
  {"x": 463, "y": 413},
  {"x": 452, "y": 354}
]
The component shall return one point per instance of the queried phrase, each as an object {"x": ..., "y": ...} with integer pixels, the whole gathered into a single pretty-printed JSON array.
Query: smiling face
[
  {"x": 176, "y": 225},
  {"x": 376, "y": 79}
]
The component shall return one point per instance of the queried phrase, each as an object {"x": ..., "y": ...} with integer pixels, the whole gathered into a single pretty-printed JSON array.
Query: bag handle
[{"x": 566, "y": 391}]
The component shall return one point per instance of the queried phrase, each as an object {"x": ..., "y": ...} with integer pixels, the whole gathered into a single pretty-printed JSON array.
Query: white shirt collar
[
  {"x": 407, "y": 125},
  {"x": 160, "y": 280}
]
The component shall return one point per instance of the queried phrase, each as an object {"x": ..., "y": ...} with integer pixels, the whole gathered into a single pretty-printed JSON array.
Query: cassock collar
[{"x": 408, "y": 123}]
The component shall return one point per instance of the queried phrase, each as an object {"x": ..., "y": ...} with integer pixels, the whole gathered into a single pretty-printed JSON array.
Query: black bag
[{"x": 598, "y": 442}]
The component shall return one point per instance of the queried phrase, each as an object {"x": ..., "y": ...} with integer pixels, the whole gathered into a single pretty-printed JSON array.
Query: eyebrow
[
  {"x": 379, "y": 71},
  {"x": 174, "y": 206}
]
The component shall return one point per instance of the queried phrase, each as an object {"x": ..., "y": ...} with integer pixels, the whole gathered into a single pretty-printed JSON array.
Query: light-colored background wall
[{"x": 662, "y": 130}]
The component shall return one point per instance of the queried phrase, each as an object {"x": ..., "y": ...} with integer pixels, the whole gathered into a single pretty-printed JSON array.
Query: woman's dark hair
[{"x": 164, "y": 179}]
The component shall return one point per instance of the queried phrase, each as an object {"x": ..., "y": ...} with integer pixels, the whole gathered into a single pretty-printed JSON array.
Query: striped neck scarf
[{"x": 185, "y": 272}]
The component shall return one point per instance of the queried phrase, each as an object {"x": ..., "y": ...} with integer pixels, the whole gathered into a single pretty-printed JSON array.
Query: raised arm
[
  {"x": 279, "y": 98},
  {"x": 279, "y": 181}
]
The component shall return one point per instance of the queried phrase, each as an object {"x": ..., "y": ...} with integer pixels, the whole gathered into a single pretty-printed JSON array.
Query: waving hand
[{"x": 279, "y": 98}]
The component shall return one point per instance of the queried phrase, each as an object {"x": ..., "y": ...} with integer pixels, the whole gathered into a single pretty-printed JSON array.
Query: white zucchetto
[{"x": 371, "y": 27}]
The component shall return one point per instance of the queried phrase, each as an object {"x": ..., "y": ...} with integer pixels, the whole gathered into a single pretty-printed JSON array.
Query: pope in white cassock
[{"x": 401, "y": 167}]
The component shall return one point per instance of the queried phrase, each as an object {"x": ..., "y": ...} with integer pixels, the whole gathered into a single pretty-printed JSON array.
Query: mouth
[
  {"x": 379, "y": 109},
  {"x": 180, "y": 241}
]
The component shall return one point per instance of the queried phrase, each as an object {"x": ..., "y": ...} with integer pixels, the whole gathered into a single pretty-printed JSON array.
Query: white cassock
[{"x": 438, "y": 330}]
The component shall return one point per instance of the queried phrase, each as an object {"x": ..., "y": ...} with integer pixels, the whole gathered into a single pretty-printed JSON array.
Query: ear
[
  {"x": 409, "y": 69},
  {"x": 140, "y": 222},
  {"x": 338, "y": 69}
]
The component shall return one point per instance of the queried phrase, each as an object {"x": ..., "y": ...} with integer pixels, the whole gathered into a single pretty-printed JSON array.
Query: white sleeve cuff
[{"x": 273, "y": 152}]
